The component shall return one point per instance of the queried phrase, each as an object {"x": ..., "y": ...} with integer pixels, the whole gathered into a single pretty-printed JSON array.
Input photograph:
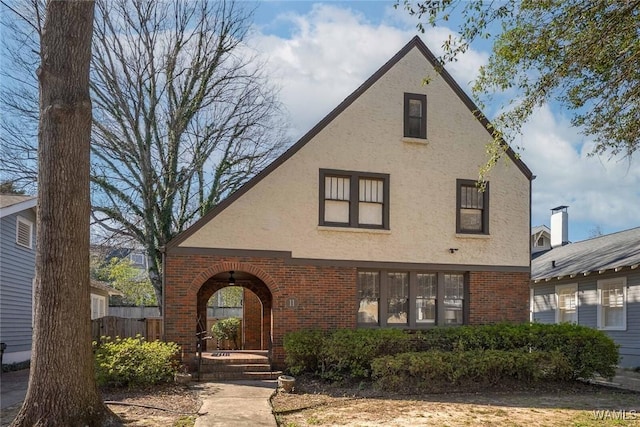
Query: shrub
[
  {"x": 348, "y": 353},
  {"x": 343, "y": 353},
  {"x": 227, "y": 329},
  {"x": 17, "y": 366},
  {"x": 302, "y": 350},
  {"x": 588, "y": 350},
  {"x": 134, "y": 361},
  {"x": 474, "y": 370}
]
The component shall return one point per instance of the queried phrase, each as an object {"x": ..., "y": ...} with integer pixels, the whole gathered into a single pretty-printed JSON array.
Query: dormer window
[{"x": 415, "y": 115}]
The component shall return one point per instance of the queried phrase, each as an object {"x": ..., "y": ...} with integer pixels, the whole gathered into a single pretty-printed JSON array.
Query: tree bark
[{"x": 62, "y": 389}]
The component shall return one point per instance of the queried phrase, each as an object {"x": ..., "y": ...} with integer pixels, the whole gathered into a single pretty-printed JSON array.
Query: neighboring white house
[{"x": 17, "y": 270}]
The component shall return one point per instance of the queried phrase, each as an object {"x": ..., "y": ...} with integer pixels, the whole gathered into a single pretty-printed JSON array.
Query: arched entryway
[{"x": 256, "y": 308}]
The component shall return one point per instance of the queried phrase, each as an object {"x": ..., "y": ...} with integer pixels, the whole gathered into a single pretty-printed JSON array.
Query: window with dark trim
[
  {"x": 415, "y": 115},
  {"x": 411, "y": 299},
  {"x": 472, "y": 207},
  {"x": 354, "y": 199}
]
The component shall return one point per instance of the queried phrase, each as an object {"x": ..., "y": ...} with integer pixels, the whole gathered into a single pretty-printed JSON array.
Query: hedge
[
  {"x": 475, "y": 370},
  {"x": 349, "y": 353}
]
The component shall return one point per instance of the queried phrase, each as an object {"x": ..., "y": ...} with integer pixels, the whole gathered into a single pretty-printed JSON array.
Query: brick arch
[{"x": 200, "y": 279}]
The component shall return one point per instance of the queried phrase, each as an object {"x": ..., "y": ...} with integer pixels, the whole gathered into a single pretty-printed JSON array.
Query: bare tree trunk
[{"x": 62, "y": 389}]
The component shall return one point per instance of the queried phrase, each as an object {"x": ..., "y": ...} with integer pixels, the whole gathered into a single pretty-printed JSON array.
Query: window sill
[
  {"x": 472, "y": 236},
  {"x": 619, "y": 329},
  {"x": 417, "y": 141},
  {"x": 354, "y": 230}
]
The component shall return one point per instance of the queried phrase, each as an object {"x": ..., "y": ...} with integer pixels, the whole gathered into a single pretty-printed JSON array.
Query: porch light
[{"x": 232, "y": 280}]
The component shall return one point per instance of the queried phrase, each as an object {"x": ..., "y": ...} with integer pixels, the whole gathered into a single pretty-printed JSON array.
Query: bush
[
  {"x": 588, "y": 350},
  {"x": 17, "y": 366},
  {"x": 348, "y": 353},
  {"x": 343, "y": 353},
  {"x": 475, "y": 370},
  {"x": 227, "y": 329},
  {"x": 134, "y": 361},
  {"x": 302, "y": 351}
]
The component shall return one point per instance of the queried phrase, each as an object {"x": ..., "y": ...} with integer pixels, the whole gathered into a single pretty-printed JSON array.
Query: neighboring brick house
[{"x": 372, "y": 219}]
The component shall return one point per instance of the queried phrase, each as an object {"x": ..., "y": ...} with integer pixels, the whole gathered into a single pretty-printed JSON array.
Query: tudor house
[{"x": 372, "y": 219}]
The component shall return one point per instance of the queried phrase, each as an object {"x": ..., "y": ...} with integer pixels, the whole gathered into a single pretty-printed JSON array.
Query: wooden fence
[{"x": 112, "y": 326}]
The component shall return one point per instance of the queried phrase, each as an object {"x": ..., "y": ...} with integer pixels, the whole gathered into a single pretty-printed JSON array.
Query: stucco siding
[
  {"x": 281, "y": 212},
  {"x": 17, "y": 269}
]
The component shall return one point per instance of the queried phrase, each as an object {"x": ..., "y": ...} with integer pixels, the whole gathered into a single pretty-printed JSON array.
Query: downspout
[
  {"x": 529, "y": 240},
  {"x": 164, "y": 297}
]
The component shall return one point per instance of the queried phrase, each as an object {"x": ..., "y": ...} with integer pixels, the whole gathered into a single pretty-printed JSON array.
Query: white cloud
[
  {"x": 599, "y": 191},
  {"x": 332, "y": 50}
]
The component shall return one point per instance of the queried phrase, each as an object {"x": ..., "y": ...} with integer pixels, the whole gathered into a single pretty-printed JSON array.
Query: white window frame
[
  {"x": 600, "y": 316},
  {"x": 559, "y": 289},
  {"x": 137, "y": 258},
  {"x": 98, "y": 306},
  {"x": 29, "y": 224}
]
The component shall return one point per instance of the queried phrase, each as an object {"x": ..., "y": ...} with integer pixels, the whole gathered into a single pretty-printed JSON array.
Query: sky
[{"x": 317, "y": 53}]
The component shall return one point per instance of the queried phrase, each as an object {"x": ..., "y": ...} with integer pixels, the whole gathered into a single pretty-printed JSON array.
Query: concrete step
[
  {"x": 237, "y": 376},
  {"x": 234, "y": 361},
  {"x": 223, "y": 365},
  {"x": 237, "y": 367}
]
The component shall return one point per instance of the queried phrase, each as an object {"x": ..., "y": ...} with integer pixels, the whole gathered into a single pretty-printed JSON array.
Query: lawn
[{"x": 315, "y": 404}]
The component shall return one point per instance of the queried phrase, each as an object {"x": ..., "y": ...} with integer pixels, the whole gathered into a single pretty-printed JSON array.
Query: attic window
[
  {"x": 24, "y": 232},
  {"x": 415, "y": 115}
]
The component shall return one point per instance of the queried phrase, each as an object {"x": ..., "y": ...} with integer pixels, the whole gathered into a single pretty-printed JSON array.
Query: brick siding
[{"x": 297, "y": 297}]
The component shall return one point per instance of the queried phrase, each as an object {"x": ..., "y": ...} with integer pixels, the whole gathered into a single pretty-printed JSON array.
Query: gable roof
[
  {"x": 415, "y": 42},
  {"x": 105, "y": 287},
  {"x": 540, "y": 228},
  {"x": 13, "y": 203},
  {"x": 611, "y": 252}
]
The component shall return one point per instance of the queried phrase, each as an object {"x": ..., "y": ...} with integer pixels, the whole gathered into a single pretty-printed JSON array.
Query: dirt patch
[
  {"x": 158, "y": 406},
  {"x": 318, "y": 404}
]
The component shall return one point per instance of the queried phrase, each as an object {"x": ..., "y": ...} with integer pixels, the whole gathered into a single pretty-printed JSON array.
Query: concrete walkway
[
  {"x": 13, "y": 387},
  {"x": 237, "y": 404},
  {"x": 625, "y": 379}
]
